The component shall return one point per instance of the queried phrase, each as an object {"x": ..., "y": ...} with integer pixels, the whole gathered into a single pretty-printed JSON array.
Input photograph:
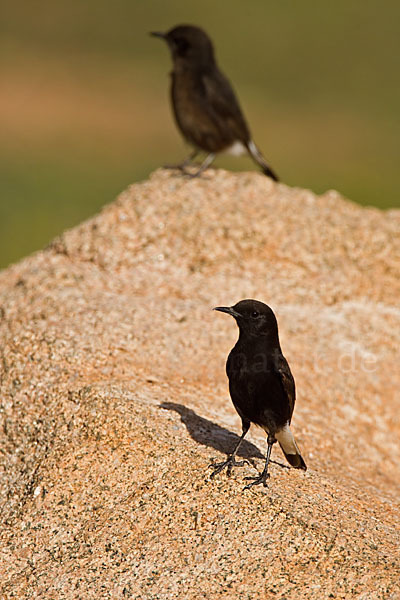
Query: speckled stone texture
[{"x": 114, "y": 399}]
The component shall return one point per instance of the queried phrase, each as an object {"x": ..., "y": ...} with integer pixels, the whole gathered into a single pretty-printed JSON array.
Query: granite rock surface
[{"x": 114, "y": 399}]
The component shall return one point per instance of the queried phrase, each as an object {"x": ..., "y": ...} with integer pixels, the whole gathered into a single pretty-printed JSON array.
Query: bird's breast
[
  {"x": 185, "y": 105},
  {"x": 197, "y": 116}
]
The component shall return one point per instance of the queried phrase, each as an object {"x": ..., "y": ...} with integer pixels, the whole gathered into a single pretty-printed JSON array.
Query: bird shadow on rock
[{"x": 205, "y": 432}]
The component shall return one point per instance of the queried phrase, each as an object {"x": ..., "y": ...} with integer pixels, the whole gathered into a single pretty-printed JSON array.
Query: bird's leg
[
  {"x": 204, "y": 165},
  {"x": 231, "y": 460},
  {"x": 264, "y": 475},
  {"x": 185, "y": 163}
]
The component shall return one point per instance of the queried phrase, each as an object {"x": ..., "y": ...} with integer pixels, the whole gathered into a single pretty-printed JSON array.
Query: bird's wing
[
  {"x": 222, "y": 105},
  {"x": 282, "y": 369}
]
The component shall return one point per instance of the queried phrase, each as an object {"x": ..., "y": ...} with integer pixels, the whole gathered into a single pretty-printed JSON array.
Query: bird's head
[
  {"x": 188, "y": 44},
  {"x": 253, "y": 318}
]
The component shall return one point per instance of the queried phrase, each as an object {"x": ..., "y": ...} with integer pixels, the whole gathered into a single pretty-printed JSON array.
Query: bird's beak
[
  {"x": 229, "y": 310},
  {"x": 159, "y": 34}
]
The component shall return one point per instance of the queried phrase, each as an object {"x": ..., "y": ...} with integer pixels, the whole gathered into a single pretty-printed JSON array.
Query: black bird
[
  {"x": 205, "y": 106},
  {"x": 261, "y": 384}
]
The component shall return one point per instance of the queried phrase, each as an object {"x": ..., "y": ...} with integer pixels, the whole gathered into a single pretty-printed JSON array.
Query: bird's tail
[
  {"x": 290, "y": 449},
  {"x": 260, "y": 160}
]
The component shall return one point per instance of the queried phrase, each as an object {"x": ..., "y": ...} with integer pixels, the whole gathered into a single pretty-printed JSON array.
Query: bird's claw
[
  {"x": 261, "y": 479},
  {"x": 229, "y": 464},
  {"x": 183, "y": 171},
  {"x": 180, "y": 167}
]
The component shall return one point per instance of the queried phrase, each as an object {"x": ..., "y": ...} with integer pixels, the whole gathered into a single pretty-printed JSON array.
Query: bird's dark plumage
[
  {"x": 261, "y": 384},
  {"x": 205, "y": 106}
]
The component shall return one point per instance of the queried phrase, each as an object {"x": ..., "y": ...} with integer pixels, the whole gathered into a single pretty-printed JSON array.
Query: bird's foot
[
  {"x": 190, "y": 175},
  {"x": 261, "y": 479},
  {"x": 184, "y": 172},
  {"x": 180, "y": 167},
  {"x": 200, "y": 173},
  {"x": 229, "y": 464}
]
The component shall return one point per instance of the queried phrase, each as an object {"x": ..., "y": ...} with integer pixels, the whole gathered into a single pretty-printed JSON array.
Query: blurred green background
[{"x": 84, "y": 105}]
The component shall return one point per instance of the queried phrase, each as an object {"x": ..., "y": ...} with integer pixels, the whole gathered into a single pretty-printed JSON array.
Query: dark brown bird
[
  {"x": 205, "y": 106},
  {"x": 261, "y": 384}
]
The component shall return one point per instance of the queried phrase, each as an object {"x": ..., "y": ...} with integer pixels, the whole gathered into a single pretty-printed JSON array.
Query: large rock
[{"x": 114, "y": 399}]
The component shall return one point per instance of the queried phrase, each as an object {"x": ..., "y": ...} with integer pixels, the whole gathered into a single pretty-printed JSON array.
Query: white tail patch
[
  {"x": 254, "y": 151},
  {"x": 289, "y": 447},
  {"x": 237, "y": 149},
  {"x": 286, "y": 440}
]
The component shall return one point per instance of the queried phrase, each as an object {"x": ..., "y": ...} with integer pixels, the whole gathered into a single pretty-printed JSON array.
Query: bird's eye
[
  {"x": 182, "y": 45},
  {"x": 254, "y": 314}
]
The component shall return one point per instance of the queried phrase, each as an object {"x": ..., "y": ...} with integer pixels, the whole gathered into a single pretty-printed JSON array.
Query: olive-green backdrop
[{"x": 84, "y": 100}]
